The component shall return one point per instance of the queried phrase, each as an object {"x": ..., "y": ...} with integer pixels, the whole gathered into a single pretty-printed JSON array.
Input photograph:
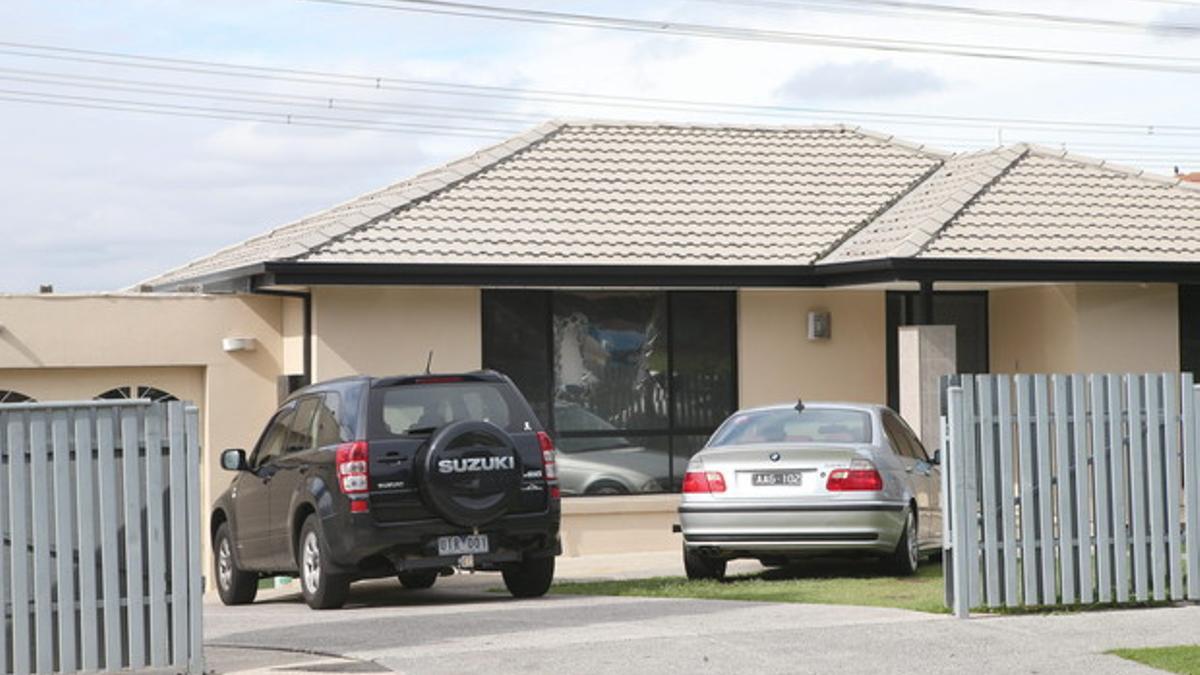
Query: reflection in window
[
  {"x": 137, "y": 392},
  {"x": 630, "y": 383},
  {"x": 613, "y": 465},
  {"x": 610, "y": 357},
  {"x": 9, "y": 396}
]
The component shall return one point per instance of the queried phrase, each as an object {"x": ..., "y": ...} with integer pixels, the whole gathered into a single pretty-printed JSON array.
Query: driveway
[{"x": 459, "y": 626}]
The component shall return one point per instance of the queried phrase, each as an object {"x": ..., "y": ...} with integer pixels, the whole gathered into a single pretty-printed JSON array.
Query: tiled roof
[
  {"x": 604, "y": 192},
  {"x": 642, "y": 194},
  {"x": 610, "y": 193},
  {"x": 1050, "y": 205}
]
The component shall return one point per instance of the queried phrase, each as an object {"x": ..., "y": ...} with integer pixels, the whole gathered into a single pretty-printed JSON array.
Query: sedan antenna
[
  {"x": 799, "y": 405},
  {"x": 429, "y": 362}
]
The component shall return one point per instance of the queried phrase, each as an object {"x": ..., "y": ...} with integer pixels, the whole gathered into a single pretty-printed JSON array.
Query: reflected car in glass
[
  {"x": 790, "y": 481},
  {"x": 604, "y": 464}
]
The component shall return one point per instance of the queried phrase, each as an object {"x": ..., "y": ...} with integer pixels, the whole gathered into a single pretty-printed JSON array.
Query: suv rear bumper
[{"x": 360, "y": 545}]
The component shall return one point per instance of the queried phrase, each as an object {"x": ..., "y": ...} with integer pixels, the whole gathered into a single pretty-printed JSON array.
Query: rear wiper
[{"x": 420, "y": 431}]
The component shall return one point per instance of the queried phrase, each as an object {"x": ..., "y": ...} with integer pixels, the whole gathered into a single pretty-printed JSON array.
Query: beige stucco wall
[
  {"x": 56, "y": 347},
  {"x": 1128, "y": 327},
  {"x": 1084, "y": 328},
  {"x": 778, "y": 363},
  {"x": 1033, "y": 329},
  {"x": 385, "y": 331}
]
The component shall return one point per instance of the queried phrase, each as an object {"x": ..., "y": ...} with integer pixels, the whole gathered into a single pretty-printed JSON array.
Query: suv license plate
[
  {"x": 462, "y": 544},
  {"x": 788, "y": 478}
]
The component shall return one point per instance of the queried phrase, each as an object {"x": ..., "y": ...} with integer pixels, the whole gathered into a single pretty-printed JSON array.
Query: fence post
[
  {"x": 963, "y": 552},
  {"x": 1191, "y": 473}
]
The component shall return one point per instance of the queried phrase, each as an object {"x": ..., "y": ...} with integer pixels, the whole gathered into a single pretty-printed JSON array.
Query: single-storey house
[{"x": 640, "y": 281}]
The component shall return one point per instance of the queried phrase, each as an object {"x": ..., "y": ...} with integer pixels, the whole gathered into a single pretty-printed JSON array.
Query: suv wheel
[
  {"x": 531, "y": 578},
  {"x": 321, "y": 588},
  {"x": 416, "y": 581},
  {"x": 698, "y": 566},
  {"x": 235, "y": 586}
]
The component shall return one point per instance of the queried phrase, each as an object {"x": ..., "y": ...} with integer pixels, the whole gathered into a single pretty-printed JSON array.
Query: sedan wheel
[
  {"x": 699, "y": 566},
  {"x": 904, "y": 560}
]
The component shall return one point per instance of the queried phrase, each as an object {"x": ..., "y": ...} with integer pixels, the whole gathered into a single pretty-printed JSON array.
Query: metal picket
[
  {"x": 1098, "y": 490},
  {"x": 88, "y": 489}
]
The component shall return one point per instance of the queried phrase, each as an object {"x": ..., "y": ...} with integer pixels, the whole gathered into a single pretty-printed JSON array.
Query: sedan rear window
[
  {"x": 420, "y": 409},
  {"x": 812, "y": 425}
]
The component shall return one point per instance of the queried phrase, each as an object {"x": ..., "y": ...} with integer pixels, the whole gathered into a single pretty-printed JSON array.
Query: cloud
[
  {"x": 859, "y": 80},
  {"x": 1178, "y": 22}
]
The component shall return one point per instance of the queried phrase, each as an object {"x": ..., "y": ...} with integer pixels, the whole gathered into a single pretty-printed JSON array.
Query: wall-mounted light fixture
[
  {"x": 820, "y": 325},
  {"x": 239, "y": 344}
]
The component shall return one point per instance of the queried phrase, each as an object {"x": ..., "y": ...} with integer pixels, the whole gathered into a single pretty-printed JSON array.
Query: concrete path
[{"x": 461, "y": 626}]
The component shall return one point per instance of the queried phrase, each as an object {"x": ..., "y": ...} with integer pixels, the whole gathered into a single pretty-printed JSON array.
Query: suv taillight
[
  {"x": 353, "y": 472},
  {"x": 862, "y": 475},
  {"x": 549, "y": 465},
  {"x": 703, "y": 481}
]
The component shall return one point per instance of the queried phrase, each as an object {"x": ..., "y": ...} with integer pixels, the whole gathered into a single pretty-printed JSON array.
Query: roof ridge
[
  {"x": 449, "y": 176},
  {"x": 878, "y": 213},
  {"x": 1132, "y": 172},
  {"x": 525, "y": 139},
  {"x": 1019, "y": 151}
]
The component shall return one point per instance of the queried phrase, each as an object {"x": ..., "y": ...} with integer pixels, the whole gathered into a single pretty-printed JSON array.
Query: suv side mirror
[
  {"x": 234, "y": 459},
  {"x": 937, "y": 457}
]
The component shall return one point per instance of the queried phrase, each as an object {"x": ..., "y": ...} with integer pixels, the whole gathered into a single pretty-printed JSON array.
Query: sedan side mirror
[{"x": 234, "y": 459}]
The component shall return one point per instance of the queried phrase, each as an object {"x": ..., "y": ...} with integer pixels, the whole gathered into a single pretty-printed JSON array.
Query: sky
[{"x": 98, "y": 199}]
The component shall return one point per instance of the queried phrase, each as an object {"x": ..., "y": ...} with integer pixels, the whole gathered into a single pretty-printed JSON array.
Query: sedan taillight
[
  {"x": 354, "y": 474},
  {"x": 703, "y": 481},
  {"x": 862, "y": 475}
]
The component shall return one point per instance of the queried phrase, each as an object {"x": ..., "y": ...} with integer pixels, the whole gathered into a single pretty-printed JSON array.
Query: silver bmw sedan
[{"x": 790, "y": 481}]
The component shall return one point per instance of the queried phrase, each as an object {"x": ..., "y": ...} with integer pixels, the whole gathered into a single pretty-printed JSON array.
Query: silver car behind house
[{"x": 797, "y": 480}]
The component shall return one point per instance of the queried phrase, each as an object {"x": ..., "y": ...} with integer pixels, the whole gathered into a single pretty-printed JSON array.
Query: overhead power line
[
  {"x": 969, "y": 14},
  {"x": 241, "y": 115},
  {"x": 1129, "y": 61},
  {"x": 338, "y": 103},
  {"x": 493, "y": 92}
]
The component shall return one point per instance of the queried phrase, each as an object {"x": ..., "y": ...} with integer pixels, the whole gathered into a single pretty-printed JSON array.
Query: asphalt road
[{"x": 459, "y": 626}]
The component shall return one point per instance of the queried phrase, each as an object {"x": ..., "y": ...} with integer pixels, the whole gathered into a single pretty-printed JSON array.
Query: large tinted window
[
  {"x": 630, "y": 383},
  {"x": 787, "y": 425}
]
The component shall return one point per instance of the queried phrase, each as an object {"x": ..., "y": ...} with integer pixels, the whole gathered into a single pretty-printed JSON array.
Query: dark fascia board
[
  {"x": 694, "y": 276},
  {"x": 991, "y": 270},
  {"x": 538, "y": 275}
]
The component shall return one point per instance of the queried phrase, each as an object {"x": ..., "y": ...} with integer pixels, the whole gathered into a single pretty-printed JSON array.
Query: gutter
[{"x": 306, "y": 297}]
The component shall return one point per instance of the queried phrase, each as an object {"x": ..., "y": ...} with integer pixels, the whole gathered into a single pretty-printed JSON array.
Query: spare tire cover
[{"x": 469, "y": 472}]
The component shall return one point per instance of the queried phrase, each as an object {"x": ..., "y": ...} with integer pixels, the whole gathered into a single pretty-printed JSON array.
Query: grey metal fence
[
  {"x": 100, "y": 515},
  {"x": 1070, "y": 489}
]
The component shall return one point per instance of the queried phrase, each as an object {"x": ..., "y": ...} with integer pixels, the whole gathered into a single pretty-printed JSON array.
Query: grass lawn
[
  {"x": 842, "y": 582},
  {"x": 1185, "y": 659}
]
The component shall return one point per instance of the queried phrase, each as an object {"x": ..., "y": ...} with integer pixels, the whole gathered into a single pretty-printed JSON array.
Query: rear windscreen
[
  {"x": 421, "y": 408},
  {"x": 813, "y": 425}
]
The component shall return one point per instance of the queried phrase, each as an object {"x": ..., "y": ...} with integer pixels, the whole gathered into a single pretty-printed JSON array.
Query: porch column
[{"x": 926, "y": 354}]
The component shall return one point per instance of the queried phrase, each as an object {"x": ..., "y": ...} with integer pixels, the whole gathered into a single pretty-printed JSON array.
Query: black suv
[{"x": 369, "y": 477}]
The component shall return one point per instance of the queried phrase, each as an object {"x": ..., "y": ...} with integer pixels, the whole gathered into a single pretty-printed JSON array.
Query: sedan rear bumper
[{"x": 732, "y": 529}]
